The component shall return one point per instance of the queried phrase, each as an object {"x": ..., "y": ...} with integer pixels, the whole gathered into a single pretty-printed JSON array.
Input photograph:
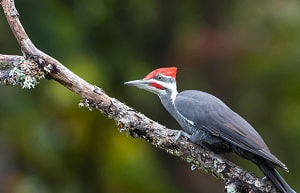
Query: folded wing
[{"x": 210, "y": 113}]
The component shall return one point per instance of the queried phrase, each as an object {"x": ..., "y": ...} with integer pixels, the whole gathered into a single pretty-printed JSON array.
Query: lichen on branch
[{"x": 22, "y": 71}]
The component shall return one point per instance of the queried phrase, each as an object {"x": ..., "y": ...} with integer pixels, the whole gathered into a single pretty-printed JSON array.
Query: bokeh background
[{"x": 245, "y": 52}]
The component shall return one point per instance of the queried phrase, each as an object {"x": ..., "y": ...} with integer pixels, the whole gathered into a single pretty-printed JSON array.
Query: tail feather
[{"x": 271, "y": 173}]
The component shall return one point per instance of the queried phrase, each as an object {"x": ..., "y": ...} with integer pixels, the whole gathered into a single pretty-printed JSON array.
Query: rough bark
[{"x": 26, "y": 70}]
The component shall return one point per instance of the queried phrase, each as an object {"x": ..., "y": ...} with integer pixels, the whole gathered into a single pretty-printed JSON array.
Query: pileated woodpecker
[{"x": 212, "y": 124}]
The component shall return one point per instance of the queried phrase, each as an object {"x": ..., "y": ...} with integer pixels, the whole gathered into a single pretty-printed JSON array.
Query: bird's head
[{"x": 161, "y": 81}]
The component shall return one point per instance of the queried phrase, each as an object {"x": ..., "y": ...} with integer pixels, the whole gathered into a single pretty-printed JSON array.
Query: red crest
[{"x": 170, "y": 71}]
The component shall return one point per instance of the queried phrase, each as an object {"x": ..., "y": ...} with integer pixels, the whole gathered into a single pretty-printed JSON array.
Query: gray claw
[{"x": 182, "y": 133}]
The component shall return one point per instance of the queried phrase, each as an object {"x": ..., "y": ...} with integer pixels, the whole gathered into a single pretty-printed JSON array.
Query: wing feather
[{"x": 213, "y": 115}]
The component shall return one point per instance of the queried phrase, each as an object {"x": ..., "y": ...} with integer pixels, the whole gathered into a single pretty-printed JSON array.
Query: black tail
[{"x": 269, "y": 170}]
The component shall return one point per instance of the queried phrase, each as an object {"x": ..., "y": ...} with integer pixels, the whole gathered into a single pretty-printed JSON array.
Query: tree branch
[{"x": 28, "y": 69}]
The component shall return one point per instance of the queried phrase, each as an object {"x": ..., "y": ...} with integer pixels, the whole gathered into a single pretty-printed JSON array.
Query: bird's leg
[
  {"x": 198, "y": 137},
  {"x": 182, "y": 133},
  {"x": 212, "y": 143}
]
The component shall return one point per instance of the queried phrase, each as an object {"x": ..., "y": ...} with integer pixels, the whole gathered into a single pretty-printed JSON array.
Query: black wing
[{"x": 212, "y": 114}]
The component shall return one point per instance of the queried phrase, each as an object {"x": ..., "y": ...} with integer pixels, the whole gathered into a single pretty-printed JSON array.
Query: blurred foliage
[{"x": 247, "y": 53}]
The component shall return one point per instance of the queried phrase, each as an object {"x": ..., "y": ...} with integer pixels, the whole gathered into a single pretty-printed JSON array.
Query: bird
[{"x": 209, "y": 122}]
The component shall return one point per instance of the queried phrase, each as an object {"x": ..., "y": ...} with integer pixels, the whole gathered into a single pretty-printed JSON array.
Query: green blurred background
[{"x": 245, "y": 52}]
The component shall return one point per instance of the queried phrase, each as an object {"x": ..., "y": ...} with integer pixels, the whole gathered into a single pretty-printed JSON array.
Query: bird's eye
[{"x": 159, "y": 77}]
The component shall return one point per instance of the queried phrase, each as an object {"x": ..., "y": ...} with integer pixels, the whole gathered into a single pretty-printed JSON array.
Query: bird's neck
[{"x": 168, "y": 102}]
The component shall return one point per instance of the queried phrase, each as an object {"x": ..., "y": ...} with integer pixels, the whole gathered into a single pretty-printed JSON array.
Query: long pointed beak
[
  {"x": 138, "y": 83},
  {"x": 147, "y": 85}
]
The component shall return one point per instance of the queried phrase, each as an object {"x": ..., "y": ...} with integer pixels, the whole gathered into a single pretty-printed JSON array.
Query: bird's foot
[{"x": 182, "y": 133}]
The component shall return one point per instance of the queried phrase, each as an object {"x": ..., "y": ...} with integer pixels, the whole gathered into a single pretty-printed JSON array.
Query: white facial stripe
[{"x": 170, "y": 86}]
